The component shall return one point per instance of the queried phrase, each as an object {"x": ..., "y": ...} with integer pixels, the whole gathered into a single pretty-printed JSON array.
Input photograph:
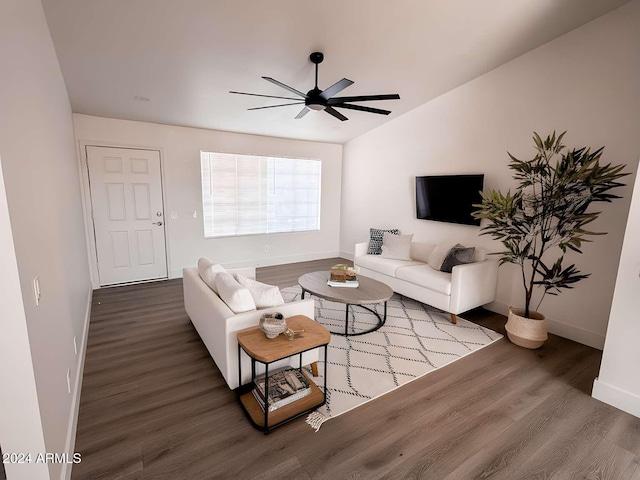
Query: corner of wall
[{"x": 622, "y": 399}]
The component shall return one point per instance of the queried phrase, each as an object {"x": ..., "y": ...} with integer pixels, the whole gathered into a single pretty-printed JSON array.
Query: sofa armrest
[
  {"x": 235, "y": 323},
  {"x": 361, "y": 249},
  {"x": 473, "y": 285}
]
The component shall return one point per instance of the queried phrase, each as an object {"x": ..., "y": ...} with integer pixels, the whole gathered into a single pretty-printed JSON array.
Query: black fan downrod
[{"x": 314, "y": 101}]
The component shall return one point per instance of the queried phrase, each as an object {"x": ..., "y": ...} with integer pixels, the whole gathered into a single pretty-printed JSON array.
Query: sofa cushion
[
  {"x": 237, "y": 297},
  {"x": 264, "y": 295},
  {"x": 375, "y": 239},
  {"x": 396, "y": 246},
  {"x": 208, "y": 271},
  {"x": 439, "y": 253},
  {"x": 458, "y": 255},
  {"x": 420, "y": 251},
  {"x": 425, "y": 276},
  {"x": 383, "y": 265}
]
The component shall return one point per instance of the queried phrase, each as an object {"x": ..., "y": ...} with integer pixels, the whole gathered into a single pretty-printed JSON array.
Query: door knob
[{"x": 158, "y": 223}]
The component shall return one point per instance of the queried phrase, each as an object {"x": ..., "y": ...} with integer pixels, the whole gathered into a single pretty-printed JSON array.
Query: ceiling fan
[{"x": 317, "y": 99}]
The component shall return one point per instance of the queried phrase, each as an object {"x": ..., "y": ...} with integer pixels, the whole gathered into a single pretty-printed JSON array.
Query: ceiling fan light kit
[{"x": 318, "y": 100}]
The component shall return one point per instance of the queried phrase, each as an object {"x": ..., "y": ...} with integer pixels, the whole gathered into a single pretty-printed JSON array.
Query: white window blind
[{"x": 248, "y": 195}]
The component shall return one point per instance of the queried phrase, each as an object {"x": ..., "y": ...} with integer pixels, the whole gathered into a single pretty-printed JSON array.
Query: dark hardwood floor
[{"x": 154, "y": 406}]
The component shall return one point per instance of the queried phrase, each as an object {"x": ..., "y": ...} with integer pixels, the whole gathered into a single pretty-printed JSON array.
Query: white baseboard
[
  {"x": 77, "y": 387},
  {"x": 617, "y": 397},
  {"x": 563, "y": 330},
  {"x": 347, "y": 255},
  {"x": 267, "y": 262},
  {"x": 576, "y": 334},
  {"x": 497, "y": 307}
]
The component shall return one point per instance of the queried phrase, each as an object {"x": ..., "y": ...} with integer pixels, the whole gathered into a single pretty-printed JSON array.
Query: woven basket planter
[{"x": 526, "y": 332}]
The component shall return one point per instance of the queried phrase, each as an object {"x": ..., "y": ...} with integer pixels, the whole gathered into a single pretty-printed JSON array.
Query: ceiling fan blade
[
  {"x": 302, "y": 113},
  {"x": 364, "y": 109},
  {"x": 286, "y": 87},
  {"x": 260, "y": 95},
  {"x": 273, "y": 106},
  {"x": 363, "y": 98},
  {"x": 335, "y": 113},
  {"x": 335, "y": 88}
]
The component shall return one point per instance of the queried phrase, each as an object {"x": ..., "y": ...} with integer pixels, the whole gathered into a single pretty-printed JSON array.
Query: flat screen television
[{"x": 448, "y": 198}]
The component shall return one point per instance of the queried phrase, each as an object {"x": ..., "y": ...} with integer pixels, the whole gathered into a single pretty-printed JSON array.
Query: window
[{"x": 248, "y": 195}]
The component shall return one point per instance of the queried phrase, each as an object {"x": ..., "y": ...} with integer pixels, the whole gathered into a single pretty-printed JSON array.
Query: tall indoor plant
[{"x": 544, "y": 217}]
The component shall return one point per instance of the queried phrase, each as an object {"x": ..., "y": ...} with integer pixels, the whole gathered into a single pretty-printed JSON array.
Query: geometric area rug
[{"x": 416, "y": 339}]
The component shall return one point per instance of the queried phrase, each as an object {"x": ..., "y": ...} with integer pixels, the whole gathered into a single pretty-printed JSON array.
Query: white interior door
[{"x": 128, "y": 214}]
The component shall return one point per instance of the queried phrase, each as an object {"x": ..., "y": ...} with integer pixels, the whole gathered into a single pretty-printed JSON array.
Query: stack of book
[
  {"x": 285, "y": 386},
  {"x": 343, "y": 276}
]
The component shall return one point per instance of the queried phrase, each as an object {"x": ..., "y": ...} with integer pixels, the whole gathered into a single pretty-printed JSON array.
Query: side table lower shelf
[{"x": 283, "y": 414}]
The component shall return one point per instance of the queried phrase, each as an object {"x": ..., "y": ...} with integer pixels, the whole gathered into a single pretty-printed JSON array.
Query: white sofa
[
  {"x": 467, "y": 286},
  {"x": 217, "y": 325}
]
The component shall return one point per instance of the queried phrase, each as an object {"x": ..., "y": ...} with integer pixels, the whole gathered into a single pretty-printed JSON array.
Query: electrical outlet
[
  {"x": 69, "y": 381},
  {"x": 266, "y": 248},
  {"x": 75, "y": 346},
  {"x": 36, "y": 289},
  {"x": 195, "y": 214},
  {"x": 174, "y": 215}
]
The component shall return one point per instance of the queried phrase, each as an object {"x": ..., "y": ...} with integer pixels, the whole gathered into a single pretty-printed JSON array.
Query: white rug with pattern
[{"x": 415, "y": 340}]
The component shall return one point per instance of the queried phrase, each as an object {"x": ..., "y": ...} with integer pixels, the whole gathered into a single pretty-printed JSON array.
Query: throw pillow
[
  {"x": 439, "y": 253},
  {"x": 421, "y": 251},
  {"x": 396, "y": 246},
  {"x": 375, "y": 239},
  {"x": 458, "y": 255},
  {"x": 237, "y": 297},
  {"x": 208, "y": 271},
  {"x": 264, "y": 295}
]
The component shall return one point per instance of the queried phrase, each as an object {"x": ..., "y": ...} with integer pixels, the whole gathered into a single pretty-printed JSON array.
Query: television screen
[{"x": 448, "y": 198}]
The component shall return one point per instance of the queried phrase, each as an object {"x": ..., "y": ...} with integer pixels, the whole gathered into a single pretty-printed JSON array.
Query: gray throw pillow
[
  {"x": 375, "y": 239},
  {"x": 458, "y": 255}
]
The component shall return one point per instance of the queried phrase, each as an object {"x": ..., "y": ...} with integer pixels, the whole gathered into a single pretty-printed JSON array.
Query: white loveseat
[
  {"x": 217, "y": 325},
  {"x": 467, "y": 286}
]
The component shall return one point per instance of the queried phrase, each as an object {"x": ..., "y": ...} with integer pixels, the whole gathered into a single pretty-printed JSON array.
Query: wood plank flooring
[{"x": 155, "y": 406}]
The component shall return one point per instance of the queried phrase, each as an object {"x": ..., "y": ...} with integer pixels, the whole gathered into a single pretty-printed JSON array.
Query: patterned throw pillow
[
  {"x": 375, "y": 239},
  {"x": 458, "y": 255}
]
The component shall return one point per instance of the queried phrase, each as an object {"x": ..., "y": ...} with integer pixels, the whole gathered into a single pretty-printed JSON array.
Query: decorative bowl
[{"x": 272, "y": 324}]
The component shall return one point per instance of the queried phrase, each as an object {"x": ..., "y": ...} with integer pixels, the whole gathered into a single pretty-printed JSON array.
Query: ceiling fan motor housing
[{"x": 314, "y": 101}]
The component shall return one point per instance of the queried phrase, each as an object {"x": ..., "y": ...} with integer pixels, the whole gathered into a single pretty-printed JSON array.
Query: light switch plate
[{"x": 174, "y": 215}]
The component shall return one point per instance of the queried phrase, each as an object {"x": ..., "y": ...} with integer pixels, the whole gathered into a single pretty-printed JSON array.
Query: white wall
[
  {"x": 180, "y": 152},
  {"x": 20, "y": 421},
  {"x": 619, "y": 382},
  {"x": 46, "y": 224},
  {"x": 585, "y": 82}
]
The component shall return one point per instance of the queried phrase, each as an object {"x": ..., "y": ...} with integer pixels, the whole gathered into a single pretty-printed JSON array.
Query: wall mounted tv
[{"x": 448, "y": 198}]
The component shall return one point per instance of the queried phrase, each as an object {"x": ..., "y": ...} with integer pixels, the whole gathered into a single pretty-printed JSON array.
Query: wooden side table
[{"x": 261, "y": 349}]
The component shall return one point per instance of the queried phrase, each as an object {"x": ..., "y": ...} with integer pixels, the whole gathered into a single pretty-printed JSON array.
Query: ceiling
[{"x": 186, "y": 55}]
